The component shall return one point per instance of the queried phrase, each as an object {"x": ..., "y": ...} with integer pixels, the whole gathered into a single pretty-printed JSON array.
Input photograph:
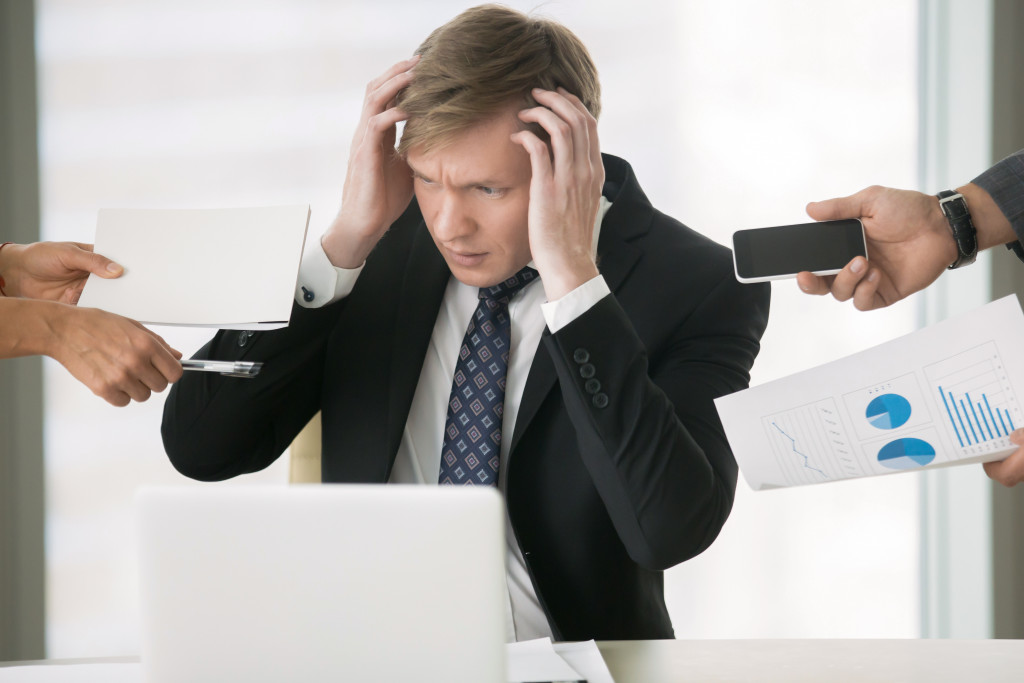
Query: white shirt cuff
[
  {"x": 320, "y": 282},
  {"x": 563, "y": 311}
]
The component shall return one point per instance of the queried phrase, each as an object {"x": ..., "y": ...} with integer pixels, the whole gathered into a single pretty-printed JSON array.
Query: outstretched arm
[
  {"x": 909, "y": 242},
  {"x": 117, "y": 358}
]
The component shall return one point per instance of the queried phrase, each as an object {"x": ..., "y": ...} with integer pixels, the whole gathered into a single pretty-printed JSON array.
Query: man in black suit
[{"x": 591, "y": 412}]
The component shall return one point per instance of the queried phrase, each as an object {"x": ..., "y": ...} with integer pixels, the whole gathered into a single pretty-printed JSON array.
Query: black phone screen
[{"x": 790, "y": 249}]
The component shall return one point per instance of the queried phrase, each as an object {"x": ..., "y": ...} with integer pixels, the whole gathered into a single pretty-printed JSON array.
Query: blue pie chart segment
[
  {"x": 888, "y": 411},
  {"x": 906, "y": 454}
]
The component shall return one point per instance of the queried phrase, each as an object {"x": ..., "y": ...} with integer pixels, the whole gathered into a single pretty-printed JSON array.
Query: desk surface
[{"x": 799, "y": 661}]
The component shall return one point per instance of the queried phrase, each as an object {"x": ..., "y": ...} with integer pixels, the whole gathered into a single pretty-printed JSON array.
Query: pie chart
[
  {"x": 906, "y": 454},
  {"x": 888, "y": 411}
]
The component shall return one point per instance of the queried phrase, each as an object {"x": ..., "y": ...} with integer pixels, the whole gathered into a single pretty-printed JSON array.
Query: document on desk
[
  {"x": 128, "y": 672},
  {"x": 948, "y": 394},
  {"x": 227, "y": 268}
]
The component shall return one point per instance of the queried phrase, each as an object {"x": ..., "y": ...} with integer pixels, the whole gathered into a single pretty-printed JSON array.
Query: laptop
[{"x": 322, "y": 583}]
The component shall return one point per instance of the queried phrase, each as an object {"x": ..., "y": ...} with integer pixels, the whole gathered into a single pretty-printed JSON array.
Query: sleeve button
[
  {"x": 592, "y": 386},
  {"x": 581, "y": 356},
  {"x": 601, "y": 400},
  {"x": 587, "y": 370}
]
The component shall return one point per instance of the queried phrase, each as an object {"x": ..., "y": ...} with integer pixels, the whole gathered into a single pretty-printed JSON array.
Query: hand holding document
[
  {"x": 227, "y": 268},
  {"x": 944, "y": 395}
]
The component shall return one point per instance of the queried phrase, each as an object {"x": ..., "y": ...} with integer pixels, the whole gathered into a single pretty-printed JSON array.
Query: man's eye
[
  {"x": 490, "y": 191},
  {"x": 423, "y": 180}
]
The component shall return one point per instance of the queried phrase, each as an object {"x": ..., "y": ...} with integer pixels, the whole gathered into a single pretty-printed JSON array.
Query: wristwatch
[{"x": 954, "y": 206}]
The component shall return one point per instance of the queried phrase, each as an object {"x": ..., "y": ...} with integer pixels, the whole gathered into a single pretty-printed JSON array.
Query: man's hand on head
[
  {"x": 378, "y": 182},
  {"x": 565, "y": 190}
]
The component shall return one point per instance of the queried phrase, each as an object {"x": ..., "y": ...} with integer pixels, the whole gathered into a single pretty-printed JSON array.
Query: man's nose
[{"x": 451, "y": 220}]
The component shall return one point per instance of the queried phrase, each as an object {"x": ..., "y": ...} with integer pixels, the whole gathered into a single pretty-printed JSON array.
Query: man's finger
[
  {"x": 558, "y": 130},
  {"x": 394, "y": 70},
  {"x": 813, "y": 284},
  {"x": 840, "y": 207},
  {"x": 575, "y": 116},
  {"x": 168, "y": 364},
  {"x": 865, "y": 296},
  {"x": 72, "y": 294},
  {"x": 848, "y": 278},
  {"x": 540, "y": 160},
  {"x": 90, "y": 262},
  {"x": 115, "y": 397},
  {"x": 1008, "y": 472}
]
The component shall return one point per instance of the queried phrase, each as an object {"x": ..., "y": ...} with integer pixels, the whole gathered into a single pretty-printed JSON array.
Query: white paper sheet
[
  {"x": 532, "y": 660},
  {"x": 586, "y": 658},
  {"x": 229, "y": 268},
  {"x": 528, "y": 661},
  {"x": 944, "y": 395},
  {"x": 73, "y": 673}
]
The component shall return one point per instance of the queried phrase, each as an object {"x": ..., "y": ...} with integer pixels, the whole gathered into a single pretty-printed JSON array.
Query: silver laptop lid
[{"x": 322, "y": 583}]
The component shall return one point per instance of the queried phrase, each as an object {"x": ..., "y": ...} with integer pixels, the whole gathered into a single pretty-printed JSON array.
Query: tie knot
[{"x": 504, "y": 291}]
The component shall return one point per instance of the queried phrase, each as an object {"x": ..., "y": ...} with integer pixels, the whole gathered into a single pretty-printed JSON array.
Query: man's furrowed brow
[
  {"x": 415, "y": 171},
  {"x": 495, "y": 180}
]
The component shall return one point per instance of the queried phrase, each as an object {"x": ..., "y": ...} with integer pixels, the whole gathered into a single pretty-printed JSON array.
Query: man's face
[{"x": 474, "y": 194}]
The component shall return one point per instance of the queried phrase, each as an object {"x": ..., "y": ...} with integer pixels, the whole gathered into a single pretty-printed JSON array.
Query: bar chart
[{"x": 975, "y": 396}]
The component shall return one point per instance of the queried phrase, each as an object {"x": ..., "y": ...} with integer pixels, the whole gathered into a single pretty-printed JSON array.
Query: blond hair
[{"x": 487, "y": 60}]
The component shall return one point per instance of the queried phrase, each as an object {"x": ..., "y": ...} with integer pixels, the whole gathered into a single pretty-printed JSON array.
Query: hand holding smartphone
[{"x": 823, "y": 248}]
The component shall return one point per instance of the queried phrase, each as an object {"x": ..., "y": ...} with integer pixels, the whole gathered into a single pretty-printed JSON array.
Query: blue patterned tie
[{"x": 472, "y": 432}]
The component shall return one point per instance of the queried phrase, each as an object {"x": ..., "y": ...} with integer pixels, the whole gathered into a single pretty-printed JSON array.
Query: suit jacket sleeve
[
  {"x": 1005, "y": 184},
  {"x": 650, "y": 435},
  {"x": 218, "y": 427}
]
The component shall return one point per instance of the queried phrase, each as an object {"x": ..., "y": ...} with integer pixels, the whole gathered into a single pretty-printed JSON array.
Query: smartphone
[{"x": 823, "y": 248}]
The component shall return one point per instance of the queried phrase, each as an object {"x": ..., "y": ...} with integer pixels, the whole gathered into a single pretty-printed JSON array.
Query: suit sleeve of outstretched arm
[
  {"x": 218, "y": 427},
  {"x": 1004, "y": 182},
  {"x": 650, "y": 435}
]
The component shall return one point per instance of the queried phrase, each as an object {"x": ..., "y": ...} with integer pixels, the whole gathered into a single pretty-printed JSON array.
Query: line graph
[
  {"x": 807, "y": 459},
  {"x": 810, "y": 443}
]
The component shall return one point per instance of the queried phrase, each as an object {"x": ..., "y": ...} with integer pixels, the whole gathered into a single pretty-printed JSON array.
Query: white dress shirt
[{"x": 419, "y": 455}]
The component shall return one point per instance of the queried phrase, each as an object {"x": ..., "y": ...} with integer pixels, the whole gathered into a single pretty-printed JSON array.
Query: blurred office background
[{"x": 733, "y": 114}]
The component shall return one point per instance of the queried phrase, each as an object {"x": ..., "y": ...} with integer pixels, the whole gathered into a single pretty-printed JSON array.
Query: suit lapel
[{"x": 422, "y": 289}]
